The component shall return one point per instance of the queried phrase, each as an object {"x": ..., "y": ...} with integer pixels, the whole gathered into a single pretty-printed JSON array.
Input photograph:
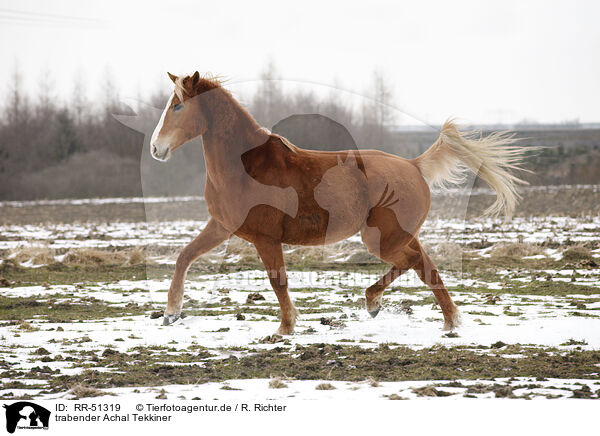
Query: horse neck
[{"x": 232, "y": 131}]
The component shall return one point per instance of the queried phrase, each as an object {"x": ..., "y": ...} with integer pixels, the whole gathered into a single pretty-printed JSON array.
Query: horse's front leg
[
  {"x": 212, "y": 235},
  {"x": 271, "y": 254}
]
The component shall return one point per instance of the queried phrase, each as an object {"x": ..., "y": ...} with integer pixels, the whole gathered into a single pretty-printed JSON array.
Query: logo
[{"x": 26, "y": 415}]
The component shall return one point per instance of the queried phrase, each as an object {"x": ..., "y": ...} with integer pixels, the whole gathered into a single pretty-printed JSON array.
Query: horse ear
[
  {"x": 195, "y": 78},
  {"x": 172, "y": 77}
]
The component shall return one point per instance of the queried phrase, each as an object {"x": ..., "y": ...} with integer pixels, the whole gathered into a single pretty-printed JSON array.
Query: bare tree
[
  {"x": 268, "y": 100},
  {"x": 65, "y": 140},
  {"x": 79, "y": 101},
  {"x": 377, "y": 114},
  {"x": 46, "y": 98},
  {"x": 337, "y": 108},
  {"x": 109, "y": 94},
  {"x": 15, "y": 144},
  {"x": 17, "y": 102}
]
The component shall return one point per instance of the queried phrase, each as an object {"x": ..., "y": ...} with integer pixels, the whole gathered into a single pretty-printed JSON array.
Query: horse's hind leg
[
  {"x": 428, "y": 273},
  {"x": 374, "y": 292},
  {"x": 400, "y": 255},
  {"x": 211, "y": 236},
  {"x": 405, "y": 252},
  {"x": 271, "y": 253}
]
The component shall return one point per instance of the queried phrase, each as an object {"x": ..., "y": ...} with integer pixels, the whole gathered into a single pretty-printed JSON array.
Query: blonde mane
[{"x": 179, "y": 89}]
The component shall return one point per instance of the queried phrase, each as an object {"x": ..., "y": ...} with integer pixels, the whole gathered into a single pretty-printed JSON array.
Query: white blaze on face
[{"x": 161, "y": 148}]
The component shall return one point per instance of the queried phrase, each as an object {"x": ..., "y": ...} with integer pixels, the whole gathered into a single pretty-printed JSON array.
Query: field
[{"x": 83, "y": 284}]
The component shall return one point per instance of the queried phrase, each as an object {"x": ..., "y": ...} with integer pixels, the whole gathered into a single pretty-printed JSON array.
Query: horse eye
[{"x": 177, "y": 107}]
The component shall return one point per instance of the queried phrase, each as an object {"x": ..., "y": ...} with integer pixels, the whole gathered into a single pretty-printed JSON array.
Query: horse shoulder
[{"x": 269, "y": 163}]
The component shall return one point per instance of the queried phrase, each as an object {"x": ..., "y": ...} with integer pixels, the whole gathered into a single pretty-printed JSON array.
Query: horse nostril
[{"x": 154, "y": 149}]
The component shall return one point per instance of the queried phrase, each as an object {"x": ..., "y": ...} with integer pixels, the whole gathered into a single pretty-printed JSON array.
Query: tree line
[
  {"x": 76, "y": 148},
  {"x": 51, "y": 148}
]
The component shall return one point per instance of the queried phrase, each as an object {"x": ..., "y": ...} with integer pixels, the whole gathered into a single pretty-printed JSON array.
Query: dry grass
[
  {"x": 137, "y": 256},
  {"x": 449, "y": 249},
  {"x": 94, "y": 256},
  {"x": 26, "y": 326},
  {"x": 37, "y": 254},
  {"x": 298, "y": 254},
  {"x": 239, "y": 247},
  {"x": 308, "y": 254},
  {"x": 325, "y": 387},
  {"x": 430, "y": 391},
  {"x": 446, "y": 254},
  {"x": 43, "y": 255},
  {"x": 372, "y": 382},
  {"x": 362, "y": 256},
  {"x": 81, "y": 391},
  {"x": 577, "y": 253},
  {"x": 516, "y": 250},
  {"x": 276, "y": 383}
]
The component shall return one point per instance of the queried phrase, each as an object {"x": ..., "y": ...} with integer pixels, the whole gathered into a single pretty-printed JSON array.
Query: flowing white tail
[{"x": 490, "y": 157}]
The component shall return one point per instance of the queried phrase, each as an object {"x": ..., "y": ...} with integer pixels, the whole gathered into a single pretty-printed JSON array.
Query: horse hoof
[
  {"x": 374, "y": 313},
  {"x": 284, "y": 331},
  {"x": 170, "y": 319},
  {"x": 454, "y": 322}
]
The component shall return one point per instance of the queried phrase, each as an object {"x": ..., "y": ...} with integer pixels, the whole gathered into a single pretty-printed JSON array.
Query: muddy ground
[{"x": 83, "y": 286}]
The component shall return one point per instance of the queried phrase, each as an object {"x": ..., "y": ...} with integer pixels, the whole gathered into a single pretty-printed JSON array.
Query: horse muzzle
[{"x": 161, "y": 153}]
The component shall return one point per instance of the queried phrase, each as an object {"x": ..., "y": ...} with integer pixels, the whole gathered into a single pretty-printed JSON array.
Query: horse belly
[{"x": 335, "y": 209}]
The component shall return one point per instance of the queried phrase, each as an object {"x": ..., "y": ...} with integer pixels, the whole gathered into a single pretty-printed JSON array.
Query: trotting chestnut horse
[{"x": 269, "y": 192}]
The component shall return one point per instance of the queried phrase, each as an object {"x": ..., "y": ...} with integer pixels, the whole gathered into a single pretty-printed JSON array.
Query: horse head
[{"x": 183, "y": 118}]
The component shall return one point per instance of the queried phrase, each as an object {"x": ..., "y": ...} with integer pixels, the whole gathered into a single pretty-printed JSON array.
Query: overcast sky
[{"x": 481, "y": 61}]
